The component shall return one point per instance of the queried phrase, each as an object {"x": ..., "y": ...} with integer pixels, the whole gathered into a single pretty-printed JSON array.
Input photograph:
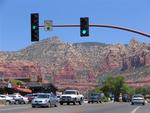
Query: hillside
[{"x": 82, "y": 64}]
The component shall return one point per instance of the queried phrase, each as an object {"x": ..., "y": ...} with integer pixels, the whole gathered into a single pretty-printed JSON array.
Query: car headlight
[{"x": 73, "y": 98}]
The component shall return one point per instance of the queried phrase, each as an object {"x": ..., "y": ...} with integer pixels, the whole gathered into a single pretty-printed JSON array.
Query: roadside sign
[{"x": 48, "y": 25}]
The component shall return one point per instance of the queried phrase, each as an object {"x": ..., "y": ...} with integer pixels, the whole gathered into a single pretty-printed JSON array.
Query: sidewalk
[{"x": 2, "y": 105}]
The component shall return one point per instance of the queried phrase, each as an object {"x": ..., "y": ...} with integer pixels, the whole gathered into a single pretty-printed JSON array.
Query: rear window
[{"x": 138, "y": 96}]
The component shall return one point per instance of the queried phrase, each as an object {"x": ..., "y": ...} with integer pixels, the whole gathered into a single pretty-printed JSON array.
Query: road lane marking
[{"x": 134, "y": 110}]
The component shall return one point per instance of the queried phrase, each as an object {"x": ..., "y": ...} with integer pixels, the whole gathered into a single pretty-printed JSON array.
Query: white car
[
  {"x": 137, "y": 99},
  {"x": 19, "y": 99},
  {"x": 9, "y": 100},
  {"x": 71, "y": 96},
  {"x": 26, "y": 100}
]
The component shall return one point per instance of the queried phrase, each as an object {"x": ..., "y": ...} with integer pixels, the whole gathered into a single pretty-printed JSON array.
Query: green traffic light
[
  {"x": 34, "y": 27},
  {"x": 84, "y": 32}
]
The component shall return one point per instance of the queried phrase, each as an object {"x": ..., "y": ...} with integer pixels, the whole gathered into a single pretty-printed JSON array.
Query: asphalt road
[{"x": 85, "y": 108}]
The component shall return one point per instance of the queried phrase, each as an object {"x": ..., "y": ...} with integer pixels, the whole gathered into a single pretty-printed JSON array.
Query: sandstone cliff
[{"x": 67, "y": 64}]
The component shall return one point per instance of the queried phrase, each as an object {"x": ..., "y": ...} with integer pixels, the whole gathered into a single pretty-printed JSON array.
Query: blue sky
[{"x": 15, "y": 20}]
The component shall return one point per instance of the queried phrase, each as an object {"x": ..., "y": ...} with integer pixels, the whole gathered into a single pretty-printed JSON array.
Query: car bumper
[
  {"x": 138, "y": 101},
  {"x": 66, "y": 101},
  {"x": 40, "y": 104}
]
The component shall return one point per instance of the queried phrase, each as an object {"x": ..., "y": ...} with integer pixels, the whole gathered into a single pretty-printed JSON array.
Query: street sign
[{"x": 48, "y": 25}]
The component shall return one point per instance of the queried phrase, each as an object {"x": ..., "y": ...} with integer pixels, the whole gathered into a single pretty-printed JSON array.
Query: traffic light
[
  {"x": 84, "y": 26},
  {"x": 34, "y": 27}
]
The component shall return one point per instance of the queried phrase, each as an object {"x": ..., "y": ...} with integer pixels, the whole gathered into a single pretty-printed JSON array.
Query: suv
[
  {"x": 71, "y": 96},
  {"x": 45, "y": 100},
  {"x": 94, "y": 98},
  {"x": 9, "y": 100}
]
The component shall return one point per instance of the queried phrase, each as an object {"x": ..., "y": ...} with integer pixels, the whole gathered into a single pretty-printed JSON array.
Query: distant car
[
  {"x": 137, "y": 99},
  {"x": 8, "y": 99},
  {"x": 18, "y": 98},
  {"x": 45, "y": 100},
  {"x": 71, "y": 96},
  {"x": 126, "y": 98},
  {"x": 32, "y": 96},
  {"x": 26, "y": 100},
  {"x": 58, "y": 98},
  {"x": 94, "y": 98}
]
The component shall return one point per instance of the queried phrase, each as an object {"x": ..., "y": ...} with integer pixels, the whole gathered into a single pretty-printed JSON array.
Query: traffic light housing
[
  {"x": 34, "y": 27},
  {"x": 84, "y": 26}
]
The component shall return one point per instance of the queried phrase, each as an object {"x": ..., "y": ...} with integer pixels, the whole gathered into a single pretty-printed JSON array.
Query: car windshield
[
  {"x": 94, "y": 94},
  {"x": 69, "y": 92},
  {"x": 43, "y": 96},
  {"x": 135, "y": 96}
]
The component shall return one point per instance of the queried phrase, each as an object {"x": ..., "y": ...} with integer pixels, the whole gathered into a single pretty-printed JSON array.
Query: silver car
[
  {"x": 45, "y": 100},
  {"x": 137, "y": 99}
]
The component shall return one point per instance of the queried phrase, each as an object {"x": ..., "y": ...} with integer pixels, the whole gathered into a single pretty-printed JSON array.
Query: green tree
[
  {"x": 143, "y": 91},
  {"x": 97, "y": 90},
  {"x": 108, "y": 86},
  {"x": 126, "y": 89},
  {"x": 118, "y": 84},
  {"x": 114, "y": 85}
]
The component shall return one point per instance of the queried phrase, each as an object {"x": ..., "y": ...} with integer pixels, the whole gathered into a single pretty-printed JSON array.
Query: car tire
[
  {"x": 143, "y": 103},
  {"x": 55, "y": 105},
  {"x": 73, "y": 103},
  {"x": 80, "y": 102},
  {"x": 61, "y": 103},
  {"x": 132, "y": 103},
  {"x": 23, "y": 102},
  {"x": 17, "y": 102},
  {"x": 68, "y": 103},
  {"x": 33, "y": 106},
  {"x": 49, "y": 105},
  {"x": 8, "y": 102}
]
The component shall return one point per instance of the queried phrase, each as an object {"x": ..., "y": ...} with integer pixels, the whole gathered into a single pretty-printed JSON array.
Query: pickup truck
[{"x": 71, "y": 96}]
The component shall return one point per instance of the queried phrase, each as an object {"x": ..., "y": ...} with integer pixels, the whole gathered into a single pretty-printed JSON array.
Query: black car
[
  {"x": 126, "y": 98},
  {"x": 94, "y": 98}
]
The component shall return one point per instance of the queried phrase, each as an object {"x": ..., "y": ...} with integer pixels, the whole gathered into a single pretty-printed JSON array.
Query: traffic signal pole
[{"x": 105, "y": 26}]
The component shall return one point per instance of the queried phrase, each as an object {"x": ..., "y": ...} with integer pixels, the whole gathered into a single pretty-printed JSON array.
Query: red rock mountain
[{"x": 79, "y": 65}]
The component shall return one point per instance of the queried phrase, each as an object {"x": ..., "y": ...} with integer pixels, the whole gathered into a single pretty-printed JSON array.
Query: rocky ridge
[{"x": 67, "y": 65}]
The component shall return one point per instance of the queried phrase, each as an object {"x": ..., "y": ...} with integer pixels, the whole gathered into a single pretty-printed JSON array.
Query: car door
[{"x": 2, "y": 97}]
